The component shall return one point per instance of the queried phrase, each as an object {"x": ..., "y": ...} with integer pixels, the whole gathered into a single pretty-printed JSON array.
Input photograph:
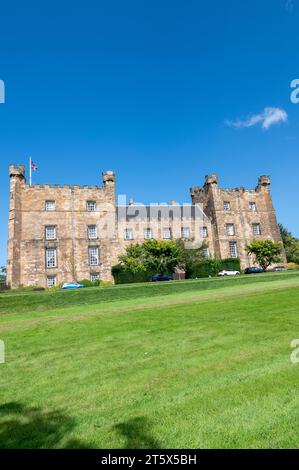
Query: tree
[
  {"x": 3, "y": 273},
  {"x": 134, "y": 259},
  {"x": 291, "y": 245},
  {"x": 266, "y": 252},
  {"x": 190, "y": 256},
  {"x": 160, "y": 256}
]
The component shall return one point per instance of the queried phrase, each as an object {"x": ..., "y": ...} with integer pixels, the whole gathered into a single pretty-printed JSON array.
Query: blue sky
[{"x": 162, "y": 92}]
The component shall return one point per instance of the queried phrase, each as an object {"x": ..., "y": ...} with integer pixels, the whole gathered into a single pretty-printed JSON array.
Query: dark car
[
  {"x": 160, "y": 277},
  {"x": 253, "y": 270}
]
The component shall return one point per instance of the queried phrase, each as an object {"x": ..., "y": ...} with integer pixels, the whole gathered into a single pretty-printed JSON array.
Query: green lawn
[{"x": 201, "y": 364}]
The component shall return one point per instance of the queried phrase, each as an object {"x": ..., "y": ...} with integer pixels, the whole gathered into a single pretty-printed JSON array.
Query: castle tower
[
  {"x": 17, "y": 182},
  {"x": 238, "y": 216},
  {"x": 60, "y": 233}
]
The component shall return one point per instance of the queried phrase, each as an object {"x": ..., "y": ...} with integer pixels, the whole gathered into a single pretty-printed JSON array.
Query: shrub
[
  {"x": 292, "y": 266},
  {"x": 106, "y": 283},
  {"x": 4, "y": 287},
  {"x": 88, "y": 283},
  {"x": 124, "y": 276},
  {"x": 206, "y": 268},
  {"x": 54, "y": 288},
  {"x": 232, "y": 264}
]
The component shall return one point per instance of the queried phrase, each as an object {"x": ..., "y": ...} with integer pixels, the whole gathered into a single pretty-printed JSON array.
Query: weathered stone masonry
[{"x": 65, "y": 242}]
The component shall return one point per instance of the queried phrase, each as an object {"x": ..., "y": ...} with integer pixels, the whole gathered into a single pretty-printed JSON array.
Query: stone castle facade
[{"x": 65, "y": 233}]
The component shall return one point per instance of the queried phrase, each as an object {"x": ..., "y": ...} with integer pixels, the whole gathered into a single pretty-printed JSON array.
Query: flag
[{"x": 34, "y": 167}]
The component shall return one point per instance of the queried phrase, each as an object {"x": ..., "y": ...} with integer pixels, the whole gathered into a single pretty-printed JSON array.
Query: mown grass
[
  {"x": 15, "y": 301},
  {"x": 193, "y": 364}
]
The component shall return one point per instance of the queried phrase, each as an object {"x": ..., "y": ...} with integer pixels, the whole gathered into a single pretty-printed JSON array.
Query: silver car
[{"x": 227, "y": 272}]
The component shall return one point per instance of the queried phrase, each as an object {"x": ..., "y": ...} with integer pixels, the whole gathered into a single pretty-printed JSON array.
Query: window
[
  {"x": 185, "y": 232},
  {"x": 128, "y": 234},
  {"x": 51, "y": 258},
  {"x": 50, "y": 205},
  {"x": 93, "y": 256},
  {"x": 148, "y": 233},
  {"x": 50, "y": 232},
  {"x": 252, "y": 206},
  {"x": 166, "y": 233},
  {"x": 233, "y": 251},
  {"x": 256, "y": 228},
  {"x": 92, "y": 232},
  {"x": 91, "y": 206},
  {"x": 226, "y": 206},
  {"x": 205, "y": 252},
  {"x": 51, "y": 281},
  {"x": 94, "y": 277},
  {"x": 230, "y": 229},
  {"x": 203, "y": 232}
]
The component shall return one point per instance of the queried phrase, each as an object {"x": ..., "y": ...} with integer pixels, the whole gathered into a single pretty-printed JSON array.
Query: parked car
[
  {"x": 280, "y": 268},
  {"x": 160, "y": 277},
  {"x": 72, "y": 285},
  {"x": 253, "y": 270},
  {"x": 228, "y": 272}
]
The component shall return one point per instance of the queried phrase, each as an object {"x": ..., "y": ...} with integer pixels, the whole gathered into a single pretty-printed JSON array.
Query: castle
[{"x": 65, "y": 233}]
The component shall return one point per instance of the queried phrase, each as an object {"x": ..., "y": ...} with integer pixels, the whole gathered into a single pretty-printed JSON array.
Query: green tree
[
  {"x": 291, "y": 245},
  {"x": 266, "y": 252},
  {"x": 134, "y": 259},
  {"x": 2, "y": 274},
  {"x": 190, "y": 256},
  {"x": 160, "y": 256}
]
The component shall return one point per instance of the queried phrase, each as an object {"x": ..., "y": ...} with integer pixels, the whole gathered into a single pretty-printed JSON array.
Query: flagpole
[{"x": 30, "y": 172}]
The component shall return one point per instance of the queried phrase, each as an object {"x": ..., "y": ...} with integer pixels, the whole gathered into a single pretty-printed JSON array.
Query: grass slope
[{"x": 190, "y": 364}]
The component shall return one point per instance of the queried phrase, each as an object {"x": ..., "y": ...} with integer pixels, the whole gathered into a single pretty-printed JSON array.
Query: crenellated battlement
[
  {"x": 211, "y": 182},
  {"x": 61, "y": 186},
  {"x": 17, "y": 171},
  {"x": 86, "y": 232}
]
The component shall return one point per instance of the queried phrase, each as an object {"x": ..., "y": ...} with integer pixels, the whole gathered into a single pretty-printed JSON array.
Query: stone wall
[
  {"x": 239, "y": 214},
  {"x": 28, "y": 219}
]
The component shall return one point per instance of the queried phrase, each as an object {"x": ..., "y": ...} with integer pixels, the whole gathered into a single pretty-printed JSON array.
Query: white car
[{"x": 229, "y": 273}]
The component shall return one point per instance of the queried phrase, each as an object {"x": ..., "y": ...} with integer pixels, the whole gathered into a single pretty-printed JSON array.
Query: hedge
[
  {"x": 123, "y": 276},
  {"x": 211, "y": 267},
  {"x": 206, "y": 268},
  {"x": 88, "y": 283},
  {"x": 231, "y": 264}
]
